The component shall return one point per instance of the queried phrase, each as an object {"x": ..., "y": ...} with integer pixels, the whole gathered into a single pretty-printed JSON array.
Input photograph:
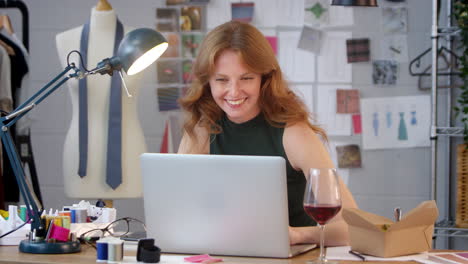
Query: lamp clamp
[{"x": 107, "y": 66}]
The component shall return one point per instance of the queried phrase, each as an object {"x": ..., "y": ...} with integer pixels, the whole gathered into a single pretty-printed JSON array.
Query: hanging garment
[
  {"x": 19, "y": 68},
  {"x": 21, "y": 130},
  {"x": 6, "y": 100},
  {"x": 24, "y": 124},
  {"x": 6, "y": 104},
  {"x": 19, "y": 65}
]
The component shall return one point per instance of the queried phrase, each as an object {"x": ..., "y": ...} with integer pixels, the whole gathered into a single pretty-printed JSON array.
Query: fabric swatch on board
[
  {"x": 385, "y": 72},
  {"x": 242, "y": 11},
  {"x": 167, "y": 98},
  {"x": 349, "y": 156},
  {"x": 347, "y": 101},
  {"x": 358, "y": 50}
]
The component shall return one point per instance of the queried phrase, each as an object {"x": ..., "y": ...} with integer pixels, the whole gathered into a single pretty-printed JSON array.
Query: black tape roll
[{"x": 147, "y": 252}]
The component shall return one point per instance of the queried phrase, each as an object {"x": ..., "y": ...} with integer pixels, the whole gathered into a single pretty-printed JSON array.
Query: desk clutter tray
[{"x": 461, "y": 219}]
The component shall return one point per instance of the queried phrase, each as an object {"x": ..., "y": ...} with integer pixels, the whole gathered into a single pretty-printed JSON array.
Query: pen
[
  {"x": 397, "y": 214},
  {"x": 357, "y": 255}
]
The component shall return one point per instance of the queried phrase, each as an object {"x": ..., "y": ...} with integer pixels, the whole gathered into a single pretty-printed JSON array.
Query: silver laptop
[{"x": 217, "y": 204}]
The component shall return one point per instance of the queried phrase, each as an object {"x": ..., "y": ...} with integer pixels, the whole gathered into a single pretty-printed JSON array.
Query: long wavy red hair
[{"x": 278, "y": 103}]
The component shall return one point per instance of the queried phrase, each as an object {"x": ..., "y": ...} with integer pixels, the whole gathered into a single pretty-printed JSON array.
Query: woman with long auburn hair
[{"x": 240, "y": 104}]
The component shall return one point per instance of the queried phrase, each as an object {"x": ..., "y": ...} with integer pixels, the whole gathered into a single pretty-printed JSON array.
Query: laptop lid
[{"x": 216, "y": 204}]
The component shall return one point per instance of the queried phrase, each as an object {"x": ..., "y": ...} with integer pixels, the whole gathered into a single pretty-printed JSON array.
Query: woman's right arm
[{"x": 195, "y": 145}]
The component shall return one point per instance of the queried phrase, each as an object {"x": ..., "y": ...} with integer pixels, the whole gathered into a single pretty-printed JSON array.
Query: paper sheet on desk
[
  {"x": 342, "y": 253},
  {"x": 164, "y": 259},
  {"x": 173, "y": 259},
  {"x": 130, "y": 246},
  {"x": 447, "y": 258}
]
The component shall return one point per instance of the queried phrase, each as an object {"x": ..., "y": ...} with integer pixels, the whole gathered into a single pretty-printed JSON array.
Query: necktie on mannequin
[{"x": 114, "y": 139}]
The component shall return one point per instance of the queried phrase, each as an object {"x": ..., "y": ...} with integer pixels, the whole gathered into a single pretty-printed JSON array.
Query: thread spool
[
  {"x": 65, "y": 213},
  {"x": 66, "y": 222},
  {"x": 23, "y": 213},
  {"x": 102, "y": 250},
  {"x": 73, "y": 215},
  {"x": 12, "y": 216},
  {"x": 114, "y": 250},
  {"x": 81, "y": 214}
]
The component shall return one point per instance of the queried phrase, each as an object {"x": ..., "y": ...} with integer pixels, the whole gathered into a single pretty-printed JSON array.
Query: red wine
[{"x": 321, "y": 213}]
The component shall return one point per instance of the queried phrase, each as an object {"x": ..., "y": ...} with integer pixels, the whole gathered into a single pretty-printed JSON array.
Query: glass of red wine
[{"x": 322, "y": 201}]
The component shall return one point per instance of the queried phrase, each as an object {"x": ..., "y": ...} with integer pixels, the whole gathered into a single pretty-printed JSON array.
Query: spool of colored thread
[
  {"x": 102, "y": 250},
  {"x": 48, "y": 219},
  {"x": 12, "y": 216},
  {"x": 114, "y": 250},
  {"x": 65, "y": 213},
  {"x": 81, "y": 214},
  {"x": 23, "y": 213},
  {"x": 73, "y": 215},
  {"x": 66, "y": 221},
  {"x": 59, "y": 233},
  {"x": 58, "y": 221}
]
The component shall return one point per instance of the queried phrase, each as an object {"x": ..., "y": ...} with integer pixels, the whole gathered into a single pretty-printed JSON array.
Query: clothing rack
[
  {"x": 24, "y": 141},
  {"x": 24, "y": 14}
]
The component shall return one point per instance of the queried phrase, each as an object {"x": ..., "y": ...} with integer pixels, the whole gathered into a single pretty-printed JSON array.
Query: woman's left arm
[{"x": 305, "y": 150}]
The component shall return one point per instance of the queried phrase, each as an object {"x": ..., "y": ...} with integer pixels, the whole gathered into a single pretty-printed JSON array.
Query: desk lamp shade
[
  {"x": 354, "y": 2},
  {"x": 140, "y": 48}
]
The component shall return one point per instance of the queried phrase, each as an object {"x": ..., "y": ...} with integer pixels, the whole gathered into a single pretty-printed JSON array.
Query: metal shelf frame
[
  {"x": 450, "y": 131},
  {"x": 444, "y": 228}
]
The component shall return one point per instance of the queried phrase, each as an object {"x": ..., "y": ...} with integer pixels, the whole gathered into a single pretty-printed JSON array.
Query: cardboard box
[{"x": 379, "y": 236}]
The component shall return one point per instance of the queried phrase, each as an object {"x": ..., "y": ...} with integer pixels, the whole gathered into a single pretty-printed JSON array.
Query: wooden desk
[{"x": 11, "y": 254}]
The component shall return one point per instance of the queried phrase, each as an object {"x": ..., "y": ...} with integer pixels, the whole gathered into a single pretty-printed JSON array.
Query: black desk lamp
[{"x": 138, "y": 49}]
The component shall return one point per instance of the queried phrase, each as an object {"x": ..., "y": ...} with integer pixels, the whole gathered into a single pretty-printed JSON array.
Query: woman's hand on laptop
[
  {"x": 294, "y": 236},
  {"x": 336, "y": 234}
]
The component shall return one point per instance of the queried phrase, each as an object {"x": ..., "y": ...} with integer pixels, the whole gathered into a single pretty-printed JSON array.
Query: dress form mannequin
[
  {"x": 103, "y": 5},
  {"x": 93, "y": 185}
]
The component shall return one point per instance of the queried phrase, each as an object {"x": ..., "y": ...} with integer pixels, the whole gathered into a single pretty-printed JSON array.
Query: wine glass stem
[{"x": 322, "y": 244}]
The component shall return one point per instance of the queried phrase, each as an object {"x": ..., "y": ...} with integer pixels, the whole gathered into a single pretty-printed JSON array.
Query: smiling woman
[
  {"x": 234, "y": 88},
  {"x": 239, "y": 104}
]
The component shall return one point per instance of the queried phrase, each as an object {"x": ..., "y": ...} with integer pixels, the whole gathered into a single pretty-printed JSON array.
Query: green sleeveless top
[{"x": 257, "y": 137}]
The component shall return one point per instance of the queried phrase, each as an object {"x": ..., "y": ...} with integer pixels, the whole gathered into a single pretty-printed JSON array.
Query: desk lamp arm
[{"x": 33, "y": 206}]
